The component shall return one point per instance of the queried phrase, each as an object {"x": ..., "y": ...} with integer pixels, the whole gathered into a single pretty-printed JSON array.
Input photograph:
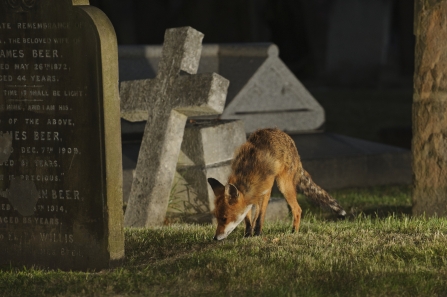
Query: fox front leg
[
  {"x": 248, "y": 225},
  {"x": 261, "y": 214}
]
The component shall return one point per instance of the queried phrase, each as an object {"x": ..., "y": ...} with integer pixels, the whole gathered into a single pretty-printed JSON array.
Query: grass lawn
[{"x": 379, "y": 251}]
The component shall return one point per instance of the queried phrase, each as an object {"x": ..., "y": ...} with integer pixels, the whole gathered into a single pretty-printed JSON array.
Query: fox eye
[{"x": 224, "y": 220}]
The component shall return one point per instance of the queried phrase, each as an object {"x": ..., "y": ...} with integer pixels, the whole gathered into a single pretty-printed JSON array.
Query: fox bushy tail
[{"x": 306, "y": 185}]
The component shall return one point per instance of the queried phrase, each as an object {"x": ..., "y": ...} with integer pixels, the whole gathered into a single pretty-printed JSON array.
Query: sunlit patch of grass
[{"x": 366, "y": 255}]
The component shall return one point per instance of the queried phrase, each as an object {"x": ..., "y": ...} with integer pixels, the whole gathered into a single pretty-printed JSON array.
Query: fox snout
[
  {"x": 225, "y": 227},
  {"x": 223, "y": 231}
]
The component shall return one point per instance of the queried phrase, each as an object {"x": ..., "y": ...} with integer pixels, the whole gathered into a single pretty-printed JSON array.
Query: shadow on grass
[{"x": 147, "y": 246}]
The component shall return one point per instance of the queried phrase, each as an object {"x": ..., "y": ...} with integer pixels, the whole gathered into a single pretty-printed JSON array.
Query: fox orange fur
[{"x": 268, "y": 155}]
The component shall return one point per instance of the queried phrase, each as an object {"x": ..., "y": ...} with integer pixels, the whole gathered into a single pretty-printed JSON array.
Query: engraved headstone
[
  {"x": 166, "y": 102},
  {"x": 60, "y": 146}
]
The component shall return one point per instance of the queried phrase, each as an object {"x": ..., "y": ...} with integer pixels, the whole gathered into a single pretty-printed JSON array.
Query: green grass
[{"x": 384, "y": 253}]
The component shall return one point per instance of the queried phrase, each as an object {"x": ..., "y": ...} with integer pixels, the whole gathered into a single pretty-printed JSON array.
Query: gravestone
[
  {"x": 429, "y": 144},
  {"x": 263, "y": 91},
  {"x": 60, "y": 177},
  {"x": 165, "y": 103}
]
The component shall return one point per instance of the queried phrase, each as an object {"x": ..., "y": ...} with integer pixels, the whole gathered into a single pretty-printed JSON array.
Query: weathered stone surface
[
  {"x": 207, "y": 150},
  {"x": 263, "y": 91},
  {"x": 208, "y": 142},
  {"x": 166, "y": 102},
  {"x": 277, "y": 210},
  {"x": 60, "y": 185},
  {"x": 429, "y": 109},
  {"x": 337, "y": 161}
]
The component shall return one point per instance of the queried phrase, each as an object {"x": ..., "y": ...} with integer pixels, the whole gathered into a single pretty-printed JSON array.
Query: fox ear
[
  {"x": 217, "y": 187},
  {"x": 232, "y": 191}
]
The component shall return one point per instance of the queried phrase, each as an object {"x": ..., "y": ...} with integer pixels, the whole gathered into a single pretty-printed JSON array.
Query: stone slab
[
  {"x": 207, "y": 150},
  {"x": 277, "y": 210},
  {"x": 190, "y": 192},
  {"x": 60, "y": 186},
  {"x": 336, "y": 161},
  {"x": 359, "y": 162}
]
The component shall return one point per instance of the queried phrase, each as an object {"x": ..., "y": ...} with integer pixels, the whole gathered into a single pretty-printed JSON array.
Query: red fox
[{"x": 268, "y": 155}]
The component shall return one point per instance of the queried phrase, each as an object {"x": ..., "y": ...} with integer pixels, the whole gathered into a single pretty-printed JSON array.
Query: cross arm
[{"x": 200, "y": 94}]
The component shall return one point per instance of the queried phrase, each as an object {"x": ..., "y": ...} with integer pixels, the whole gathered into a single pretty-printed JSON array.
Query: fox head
[{"x": 230, "y": 208}]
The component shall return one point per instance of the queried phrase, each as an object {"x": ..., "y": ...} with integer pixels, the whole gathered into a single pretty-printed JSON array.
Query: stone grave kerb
[{"x": 166, "y": 102}]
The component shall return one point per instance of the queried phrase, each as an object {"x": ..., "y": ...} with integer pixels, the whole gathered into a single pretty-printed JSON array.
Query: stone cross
[
  {"x": 165, "y": 102},
  {"x": 429, "y": 144}
]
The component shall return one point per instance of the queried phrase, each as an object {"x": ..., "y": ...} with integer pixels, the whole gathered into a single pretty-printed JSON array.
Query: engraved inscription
[
  {"x": 21, "y": 5},
  {"x": 50, "y": 143}
]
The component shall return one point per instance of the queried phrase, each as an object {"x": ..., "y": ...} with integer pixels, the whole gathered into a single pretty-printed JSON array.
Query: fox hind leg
[{"x": 286, "y": 185}]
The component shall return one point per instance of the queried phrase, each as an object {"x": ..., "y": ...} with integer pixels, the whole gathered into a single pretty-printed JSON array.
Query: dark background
[{"x": 355, "y": 56}]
